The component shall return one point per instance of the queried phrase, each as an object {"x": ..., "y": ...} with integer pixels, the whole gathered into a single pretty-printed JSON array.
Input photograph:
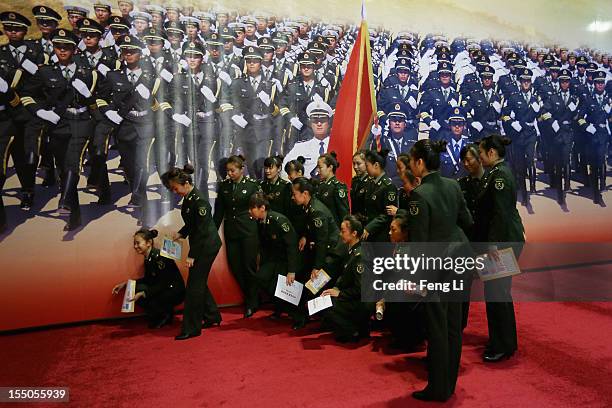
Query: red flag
[{"x": 355, "y": 107}]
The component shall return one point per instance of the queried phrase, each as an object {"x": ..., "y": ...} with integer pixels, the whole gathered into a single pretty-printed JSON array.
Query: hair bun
[
  {"x": 154, "y": 233},
  {"x": 188, "y": 168},
  {"x": 241, "y": 157},
  {"x": 505, "y": 141},
  {"x": 439, "y": 146},
  {"x": 280, "y": 157},
  {"x": 384, "y": 153},
  {"x": 301, "y": 159},
  {"x": 333, "y": 154}
]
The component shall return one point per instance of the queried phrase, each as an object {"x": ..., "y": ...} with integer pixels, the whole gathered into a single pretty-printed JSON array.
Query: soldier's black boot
[
  {"x": 71, "y": 200},
  {"x": 100, "y": 175},
  {"x": 567, "y": 178},
  {"x": 49, "y": 180},
  {"x": 27, "y": 200}
]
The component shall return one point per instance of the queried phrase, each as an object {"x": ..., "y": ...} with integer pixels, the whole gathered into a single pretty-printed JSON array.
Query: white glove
[
  {"x": 555, "y": 126},
  {"x": 103, "y": 69},
  {"x": 240, "y": 121},
  {"x": 591, "y": 129},
  {"x": 324, "y": 82},
  {"x": 607, "y": 109},
  {"x": 182, "y": 119},
  {"x": 434, "y": 125},
  {"x": 113, "y": 116},
  {"x": 3, "y": 86},
  {"x": 477, "y": 125},
  {"x": 224, "y": 76},
  {"x": 572, "y": 106},
  {"x": 497, "y": 106},
  {"x": 317, "y": 97},
  {"x": 29, "y": 66},
  {"x": 48, "y": 115},
  {"x": 412, "y": 102},
  {"x": 278, "y": 84},
  {"x": 184, "y": 64},
  {"x": 264, "y": 97},
  {"x": 81, "y": 88},
  {"x": 289, "y": 73},
  {"x": 453, "y": 103},
  {"x": 516, "y": 126},
  {"x": 376, "y": 130},
  {"x": 143, "y": 91},
  {"x": 166, "y": 75},
  {"x": 536, "y": 107},
  {"x": 512, "y": 115},
  {"x": 146, "y": 52},
  {"x": 208, "y": 94},
  {"x": 295, "y": 122}
]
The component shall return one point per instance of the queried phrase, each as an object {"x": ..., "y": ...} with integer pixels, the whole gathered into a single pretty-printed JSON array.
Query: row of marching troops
[{"x": 173, "y": 86}]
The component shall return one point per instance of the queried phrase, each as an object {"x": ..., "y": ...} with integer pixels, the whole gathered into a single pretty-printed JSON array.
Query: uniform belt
[
  {"x": 76, "y": 111},
  {"x": 137, "y": 114},
  {"x": 260, "y": 117},
  {"x": 491, "y": 123},
  {"x": 566, "y": 122},
  {"x": 602, "y": 125},
  {"x": 530, "y": 124},
  {"x": 204, "y": 115}
]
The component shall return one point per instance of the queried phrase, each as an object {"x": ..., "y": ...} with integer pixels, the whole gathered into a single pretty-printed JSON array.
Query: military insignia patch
[
  {"x": 187, "y": 210},
  {"x": 43, "y": 10},
  {"x": 285, "y": 227},
  {"x": 360, "y": 269},
  {"x": 373, "y": 196},
  {"x": 318, "y": 222},
  {"x": 413, "y": 207},
  {"x": 342, "y": 193},
  {"x": 243, "y": 191},
  {"x": 391, "y": 196},
  {"x": 62, "y": 33},
  {"x": 127, "y": 39},
  {"x": 499, "y": 184},
  {"x": 160, "y": 264},
  {"x": 325, "y": 194},
  {"x": 86, "y": 22},
  {"x": 202, "y": 211}
]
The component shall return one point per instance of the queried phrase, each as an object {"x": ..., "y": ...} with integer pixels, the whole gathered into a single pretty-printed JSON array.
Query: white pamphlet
[
  {"x": 130, "y": 291},
  {"x": 507, "y": 265},
  {"x": 290, "y": 293},
  {"x": 319, "y": 303}
]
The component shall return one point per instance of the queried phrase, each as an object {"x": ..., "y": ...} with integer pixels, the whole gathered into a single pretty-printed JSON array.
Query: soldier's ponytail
[
  {"x": 497, "y": 143},
  {"x": 429, "y": 152}
]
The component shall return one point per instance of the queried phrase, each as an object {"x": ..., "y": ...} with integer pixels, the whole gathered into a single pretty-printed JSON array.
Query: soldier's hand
[
  {"x": 182, "y": 119},
  {"x": 224, "y": 76},
  {"x": 302, "y": 243},
  {"x": 555, "y": 126},
  {"x": 314, "y": 273},
  {"x": 477, "y": 125},
  {"x": 81, "y": 87},
  {"x": 434, "y": 125},
  {"x": 176, "y": 236},
  {"x": 516, "y": 126},
  {"x": 365, "y": 234},
  {"x": 208, "y": 94},
  {"x": 391, "y": 209},
  {"x": 290, "y": 279},
  {"x": 118, "y": 287},
  {"x": 240, "y": 121},
  {"x": 333, "y": 292},
  {"x": 48, "y": 115},
  {"x": 3, "y": 85},
  {"x": 497, "y": 106},
  {"x": 591, "y": 129},
  {"x": 189, "y": 262},
  {"x": 113, "y": 116},
  {"x": 103, "y": 69},
  {"x": 296, "y": 123},
  {"x": 137, "y": 296},
  {"x": 376, "y": 130},
  {"x": 143, "y": 91}
]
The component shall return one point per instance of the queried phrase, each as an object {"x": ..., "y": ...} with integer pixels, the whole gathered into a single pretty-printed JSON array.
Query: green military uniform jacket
[
  {"x": 359, "y": 186},
  {"x": 278, "y": 194},
  {"x": 497, "y": 218},
  {"x": 199, "y": 226},
  {"x": 278, "y": 241},
  {"x": 349, "y": 283},
  {"x": 380, "y": 193},
  {"x": 232, "y": 204},
  {"x": 333, "y": 194},
  {"x": 160, "y": 274},
  {"x": 321, "y": 229},
  {"x": 471, "y": 188}
]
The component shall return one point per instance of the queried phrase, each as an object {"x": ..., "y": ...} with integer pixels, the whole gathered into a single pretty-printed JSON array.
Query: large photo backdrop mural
[{"x": 99, "y": 99}]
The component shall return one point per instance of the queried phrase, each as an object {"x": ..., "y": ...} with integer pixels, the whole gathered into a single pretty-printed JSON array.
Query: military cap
[
  {"x": 176, "y": 8},
  {"x": 73, "y": 10},
  {"x": 191, "y": 21},
  {"x": 226, "y": 34},
  {"x": 153, "y": 33},
  {"x": 397, "y": 112},
  {"x": 599, "y": 76},
  {"x": 214, "y": 40},
  {"x": 302, "y": 20},
  {"x": 555, "y": 66},
  {"x": 202, "y": 15},
  {"x": 443, "y": 57},
  {"x": 155, "y": 9},
  {"x": 487, "y": 71},
  {"x": 248, "y": 20},
  {"x": 445, "y": 67},
  {"x": 193, "y": 48},
  {"x": 317, "y": 48},
  {"x": 402, "y": 63},
  {"x": 318, "y": 109},
  {"x": 280, "y": 39},
  {"x": 174, "y": 27},
  {"x": 592, "y": 67},
  {"x": 265, "y": 43},
  {"x": 141, "y": 15},
  {"x": 582, "y": 61},
  {"x": 130, "y": 42},
  {"x": 512, "y": 56},
  {"x": 306, "y": 59},
  {"x": 88, "y": 25},
  {"x": 11, "y": 18},
  {"x": 63, "y": 36},
  {"x": 526, "y": 74},
  {"x": 118, "y": 22},
  {"x": 103, "y": 4},
  {"x": 519, "y": 64},
  {"x": 252, "y": 52},
  {"x": 330, "y": 34},
  {"x": 457, "y": 115},
  {"x": 564, "y": 74},
  {"x": 126, "y": 1},
  {"x": 237, "y": 27},
  {"x": 45, "y": 13}
]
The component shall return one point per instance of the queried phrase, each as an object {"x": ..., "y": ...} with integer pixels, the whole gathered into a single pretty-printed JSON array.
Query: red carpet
[{"x": 565, "y": 360}]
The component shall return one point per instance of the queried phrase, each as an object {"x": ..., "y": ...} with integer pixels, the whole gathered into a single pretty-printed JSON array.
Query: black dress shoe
[
  {"x": 424, "y": 395},
  {"x": 185, "y": 336},
  {"x": 165, "y": 320},
  {"x": 208, "y": 324},
  {"x": 493, "y": 357},
  {"x": 248, "y": 313},
  {"x": 27, "y": 201}
]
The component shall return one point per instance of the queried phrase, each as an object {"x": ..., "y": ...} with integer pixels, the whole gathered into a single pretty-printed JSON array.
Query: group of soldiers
[{"x": 168, "y": 85}]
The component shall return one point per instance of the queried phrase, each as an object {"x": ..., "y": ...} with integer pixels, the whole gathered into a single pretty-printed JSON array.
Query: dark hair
[
  {"x": 259, "y": 200},
  {"x": 179, "y": 176},
  {"x": 472, "y": 148},
  {"x": 497, "y": 143},
  {"x": 274, "y": 161},
  {"x": 374, "y": 157},
  {"x": 236, "y": 160},
  {"x": 355, "y": 224},
  {"x": 404, "y": 158},
  {"x": 330, "y": 160},
  {"x": 295, "y": 165},
  {"x": 147, "y": 234},
  {"x": 402, "y": 219},
  {"x": 361, "y": 153},
  {"x": 428, "y": 151},
  {"x": 303, "y": 184},
  {"x": 409, "y": 175}
]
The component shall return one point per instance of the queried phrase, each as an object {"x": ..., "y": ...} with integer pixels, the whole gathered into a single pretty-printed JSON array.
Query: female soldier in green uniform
[
  {"x": 498, "y": 221},
  {"x": 161, "y": 288},
  {"x": 380, "y": 193},
  {"x": 359, "y": 183},
  {"x": 409, "y": 183},
  {"x": 232, "y": 205},
  {"x": 204, "y": 245},
  {"x": 437, "y": 212},
  {"x": 330, "y": 191},
  {"x": 294, "y": 170},
  {"x": 277, "y": 190},
  {"x": 349, "y": 316}
]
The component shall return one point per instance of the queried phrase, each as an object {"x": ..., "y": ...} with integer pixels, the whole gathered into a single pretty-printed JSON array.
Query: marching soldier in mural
[
  {"x": 456, "y": 139},
  {"x": 63, "y": 95},
  {"x": 484, "y": 107},
  {"x": 47, "y": 21},
  {"x": 21, "y": 60},
  {"x": 436, "y": 103},
  {"x": 8, "y": 98},
  {"x": 75, "y": 13}
]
